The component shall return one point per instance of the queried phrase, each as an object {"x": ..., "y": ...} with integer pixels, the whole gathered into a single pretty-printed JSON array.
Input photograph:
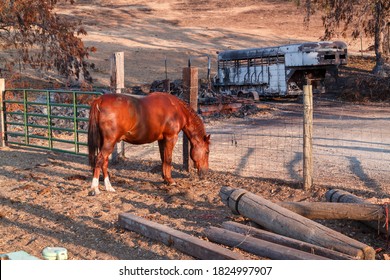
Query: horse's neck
[{"x": 193, "y": 128}]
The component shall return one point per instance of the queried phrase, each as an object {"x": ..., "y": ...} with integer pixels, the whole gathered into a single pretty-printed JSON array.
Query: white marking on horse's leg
[
  {"x": 108, "y": 186},
  {"x": 95, "y": 185}
]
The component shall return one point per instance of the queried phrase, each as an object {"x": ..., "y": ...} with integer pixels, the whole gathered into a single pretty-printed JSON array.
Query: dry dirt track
[{"x": 43, "y": 195}]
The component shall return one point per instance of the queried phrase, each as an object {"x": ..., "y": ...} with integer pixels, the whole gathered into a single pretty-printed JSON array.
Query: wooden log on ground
[
  {"x": 285, "y": 241},
  {"x": 336, "y": 195},
  {"x": 256, "y": 246},
  {"x": 336, "y": 211},
  {"x": 285, "y": 222},
  {"x": 179, "y": 240}
]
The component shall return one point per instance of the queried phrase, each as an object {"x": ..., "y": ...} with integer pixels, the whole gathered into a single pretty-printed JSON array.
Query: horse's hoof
[
  {"x": 93, "y": 192},
  {"x": 174, "y": 184}
]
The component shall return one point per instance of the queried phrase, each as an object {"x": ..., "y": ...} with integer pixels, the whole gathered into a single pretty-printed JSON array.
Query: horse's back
[
  {"x": 141, "y": 120},
  {"x": 163, "y": 113},
  {"x": 117, "y": 114}
]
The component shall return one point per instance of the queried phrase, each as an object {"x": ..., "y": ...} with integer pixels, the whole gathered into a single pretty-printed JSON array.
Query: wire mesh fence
[
  {"x": 351, "y": 142},
  {"x": 351, "y": 146}
]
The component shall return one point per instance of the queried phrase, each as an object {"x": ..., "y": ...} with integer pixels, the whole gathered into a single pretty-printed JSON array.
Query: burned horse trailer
[{"x": 278, "y": 71}]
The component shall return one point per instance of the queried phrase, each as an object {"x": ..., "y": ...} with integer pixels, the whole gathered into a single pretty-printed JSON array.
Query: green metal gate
[{"x": 55, "y": 120}]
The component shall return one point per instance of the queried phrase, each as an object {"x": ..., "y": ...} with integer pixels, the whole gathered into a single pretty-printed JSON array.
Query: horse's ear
[{"x": 207, "y": 138}]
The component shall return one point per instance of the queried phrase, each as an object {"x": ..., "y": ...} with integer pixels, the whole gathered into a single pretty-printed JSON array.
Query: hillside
[{"x": 177, "y": 30}]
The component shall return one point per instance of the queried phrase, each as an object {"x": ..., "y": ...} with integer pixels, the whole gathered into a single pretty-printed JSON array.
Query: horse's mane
[{"x": 198, "y": 123}]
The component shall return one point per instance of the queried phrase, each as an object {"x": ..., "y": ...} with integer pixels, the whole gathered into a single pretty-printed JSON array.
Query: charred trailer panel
[{"x": 278, "y": 71}]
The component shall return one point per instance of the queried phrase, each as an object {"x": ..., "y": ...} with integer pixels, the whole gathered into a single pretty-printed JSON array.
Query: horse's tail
[{"x": 94, "y": 135}]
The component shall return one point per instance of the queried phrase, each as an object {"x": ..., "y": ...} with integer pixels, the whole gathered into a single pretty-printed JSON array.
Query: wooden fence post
[
  {"x": 190, "y": 95},
  {"x": 117, "y": 83},
  {"x": 2, "y": 126},
  {"x": 166, "y": 82},
  {"x": 307, "y": 137}
]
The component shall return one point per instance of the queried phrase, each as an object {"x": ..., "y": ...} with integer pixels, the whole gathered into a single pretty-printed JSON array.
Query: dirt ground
[
  {"x": 45, "y": 202},
  {"x": 44, "y": 195}
]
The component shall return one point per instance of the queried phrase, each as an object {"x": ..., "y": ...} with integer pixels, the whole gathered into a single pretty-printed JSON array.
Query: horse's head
[{"x": 200, "y": 155}]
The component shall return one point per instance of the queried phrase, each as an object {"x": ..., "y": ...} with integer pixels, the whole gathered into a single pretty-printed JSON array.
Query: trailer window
[{"x": 330, "y": 56}]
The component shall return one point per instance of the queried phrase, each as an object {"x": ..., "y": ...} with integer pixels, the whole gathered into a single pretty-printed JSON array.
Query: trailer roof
[{"x": 281, "y": 50}]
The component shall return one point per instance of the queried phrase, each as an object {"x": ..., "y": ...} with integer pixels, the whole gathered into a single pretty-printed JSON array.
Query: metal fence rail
[{"x": 48, "y": 119}]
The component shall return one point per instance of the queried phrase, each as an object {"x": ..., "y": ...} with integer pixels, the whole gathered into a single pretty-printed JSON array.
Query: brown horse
[{"x": 156, "y": 117}]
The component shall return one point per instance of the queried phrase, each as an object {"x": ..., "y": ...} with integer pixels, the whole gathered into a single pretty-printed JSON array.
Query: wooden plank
[
  {"x": 341, "y": 196},
  {"x": 336, "y": 211},
  {"x": 181, "y": 241},
  {"x": 256, "y": 246},
  {"x": 207, "y": 110},
  {"x": 285, "y": 241},
  {"x": 285, "y": 222}
]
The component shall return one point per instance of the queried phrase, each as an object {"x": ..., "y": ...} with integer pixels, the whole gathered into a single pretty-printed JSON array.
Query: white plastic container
[{"x": 55, "y": 253}]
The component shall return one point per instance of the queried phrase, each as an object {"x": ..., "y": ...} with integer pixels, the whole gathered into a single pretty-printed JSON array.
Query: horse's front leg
[
  {"x": 161, "y": 146},
  {"x": 166, "y": 149}
]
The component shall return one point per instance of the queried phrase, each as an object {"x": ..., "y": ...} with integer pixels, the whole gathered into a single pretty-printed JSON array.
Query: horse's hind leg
[
  {"x": 102, "y": 163},
  {"x": 96, "y": 173}
]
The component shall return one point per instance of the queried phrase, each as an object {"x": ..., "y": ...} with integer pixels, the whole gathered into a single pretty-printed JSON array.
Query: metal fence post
[
  {"x": 190, "y": 95},
  {"x": 2, "y": 109},
  {"x": 307, "y": 137}
]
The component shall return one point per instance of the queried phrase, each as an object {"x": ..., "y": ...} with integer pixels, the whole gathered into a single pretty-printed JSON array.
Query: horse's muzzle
[{"x": 202, "y": 173}]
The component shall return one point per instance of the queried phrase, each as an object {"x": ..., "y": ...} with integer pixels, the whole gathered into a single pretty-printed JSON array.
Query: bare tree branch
[{"x": 41, "y": 38}]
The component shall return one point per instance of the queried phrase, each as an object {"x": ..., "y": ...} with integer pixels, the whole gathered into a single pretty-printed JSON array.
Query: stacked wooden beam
[
  {"x": 181, "y": 241},
  {"x": 376, "y": 218},
  {"x": 291, "y": 234}
]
